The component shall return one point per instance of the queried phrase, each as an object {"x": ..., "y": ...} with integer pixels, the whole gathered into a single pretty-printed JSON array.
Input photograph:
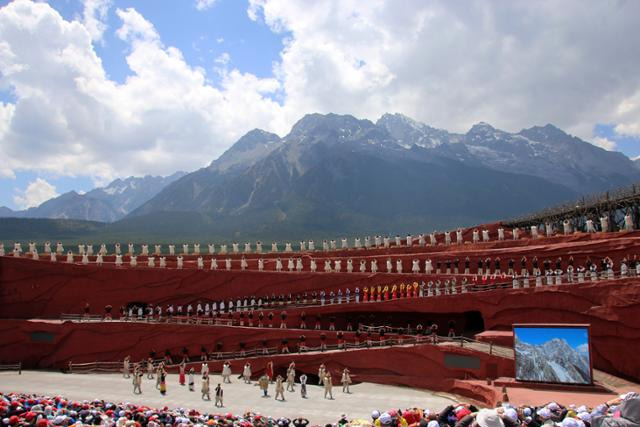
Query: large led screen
[{"x": 553, "y": 353}]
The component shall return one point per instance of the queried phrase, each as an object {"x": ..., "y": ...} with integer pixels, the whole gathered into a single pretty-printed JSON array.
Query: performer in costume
[
  {"x": 346, "y": 380},
  {"x": 219, "y": 395},
  {"x": 263, "y": 383},
  {"x": 328, "y": 386},
  {"x": 192, "y": 381},
  {"x": 182, "y": 367},
  {"x": 291, "y": 378},
  {"x": 205, "y": 387},
  {"x": 321, "y": 373},
  {"x": 126, "y": 366},
  {"x": 279, "y": 388},
  {"x": 226, "y": 372},
  {"x": 303, "y": 386},
  {"x": 246, "y": 373},
  {"x": 269, "y": 371},
  {"x": 163, "y": 382}
]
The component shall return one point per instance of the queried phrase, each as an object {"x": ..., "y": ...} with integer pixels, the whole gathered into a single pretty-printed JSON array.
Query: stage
[{"x": 238, "y": 397}]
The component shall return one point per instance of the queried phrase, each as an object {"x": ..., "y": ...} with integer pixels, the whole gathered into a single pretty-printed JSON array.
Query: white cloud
[
  {"x": 448, "y": 64},
  {"x": 36, "y": 193},
  {"x": 164, "y": 117},
  {"x": 204, "y": 4},
  {"x": 223, "y": 59},
  {"x": 452, "y": 64},
  {"x": 94, "y": 16},
  {"x": 6, "y": 114},
  {"x": 135, "y": 27},
  {"x": 628, "y": 116},
  {"x": 605, "y": 143}
]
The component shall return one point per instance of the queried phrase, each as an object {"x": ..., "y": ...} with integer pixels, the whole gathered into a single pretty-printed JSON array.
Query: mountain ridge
[
  {"x": 331, "y": 169},
  {"x": 336, "y": 172},
  {"x": 103, "y": 204}
]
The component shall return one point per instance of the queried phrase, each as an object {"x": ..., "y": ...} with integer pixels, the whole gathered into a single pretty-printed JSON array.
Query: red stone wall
[
  {"x": 414, "y": 366},
  {"x": 30, "y": 289}
]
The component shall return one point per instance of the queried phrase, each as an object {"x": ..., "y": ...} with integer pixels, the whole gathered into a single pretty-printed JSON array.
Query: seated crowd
[{"x": 19, "y": 409}]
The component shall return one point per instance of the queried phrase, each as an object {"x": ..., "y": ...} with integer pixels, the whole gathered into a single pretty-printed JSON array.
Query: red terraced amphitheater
[{"x": 41, "y": 302}]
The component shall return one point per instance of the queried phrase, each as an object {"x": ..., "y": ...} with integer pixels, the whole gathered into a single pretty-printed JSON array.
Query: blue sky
[
  {"x": 202, "y": 37},
  {"x": 575, "y": 337},
  {"x": 152, "y": 87}
]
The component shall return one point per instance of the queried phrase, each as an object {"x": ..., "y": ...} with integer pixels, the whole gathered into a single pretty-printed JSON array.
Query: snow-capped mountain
[
  {"x": 124, "y": 195},
  {"x": 407, "y": 132},
  {"x": 338, "y": 173},
  {"x": 105, "y": 204},
  {"x": 552, "y": 361},
  {"x": 543, "y": 151}
]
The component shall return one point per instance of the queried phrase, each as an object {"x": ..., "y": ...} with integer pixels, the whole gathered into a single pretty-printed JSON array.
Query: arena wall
[{"x": 44, "y": 290}]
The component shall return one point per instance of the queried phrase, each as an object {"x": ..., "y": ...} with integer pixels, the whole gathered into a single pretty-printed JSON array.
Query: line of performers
[{"x": 378, "y": 241}]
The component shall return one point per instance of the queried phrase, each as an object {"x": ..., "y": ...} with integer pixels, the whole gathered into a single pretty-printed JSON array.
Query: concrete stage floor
[{"x": 238, "y": 397}]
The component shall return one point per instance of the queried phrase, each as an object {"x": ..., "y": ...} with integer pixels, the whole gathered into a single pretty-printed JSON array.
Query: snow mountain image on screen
[{"x": 552, "y": 361}]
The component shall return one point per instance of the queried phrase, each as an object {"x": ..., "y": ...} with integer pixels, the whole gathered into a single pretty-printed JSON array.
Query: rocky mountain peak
[
  {"x": 314, "y": 127},
  {"x": 546, "y": 133},
  {"x": 248, "y": 149},
  {"x": 482, "y": 130},
  {"x": 254, "y": 138},
  {"x": 411, "y": 132}
]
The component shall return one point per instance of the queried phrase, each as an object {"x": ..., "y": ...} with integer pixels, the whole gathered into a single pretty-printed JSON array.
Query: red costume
[
  {"x": 181, "y": 377},
  {"x": 269, "y": 370}
]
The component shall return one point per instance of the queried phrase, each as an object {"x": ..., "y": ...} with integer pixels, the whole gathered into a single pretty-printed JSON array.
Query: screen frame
[{"x": 586, "y": 326}]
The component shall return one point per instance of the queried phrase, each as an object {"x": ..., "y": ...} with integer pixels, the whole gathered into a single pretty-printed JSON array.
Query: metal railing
[
  {"x": 364, "y": 342},
  {"x": 476, "y": 286},
  {"x": 12, "y": 367},
  {"x": 594, "y": 204},
  {"x": 93, "y": 367}
]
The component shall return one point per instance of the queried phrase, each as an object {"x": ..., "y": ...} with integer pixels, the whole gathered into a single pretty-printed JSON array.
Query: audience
[{"x": 19, "y": 409}]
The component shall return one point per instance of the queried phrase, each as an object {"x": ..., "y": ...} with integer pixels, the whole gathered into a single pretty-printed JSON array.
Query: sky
[
  {"x": 94, "y": 90},
  {"x": 575, "y": 337}
]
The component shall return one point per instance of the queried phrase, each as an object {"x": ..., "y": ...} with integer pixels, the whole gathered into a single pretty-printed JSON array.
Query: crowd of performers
[
  {"x": 455, "y": 265},
  {"x": 447, "y": 238},
  {"x": 428, "y": 266},
  {"x": 21, "y": 409},
  {"x": 478, "y": 266},
  {"x": 158, "y": 372},
  {"x": 489, "y": 274}
]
